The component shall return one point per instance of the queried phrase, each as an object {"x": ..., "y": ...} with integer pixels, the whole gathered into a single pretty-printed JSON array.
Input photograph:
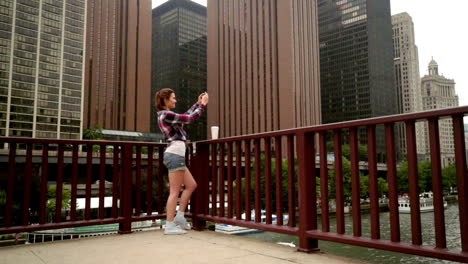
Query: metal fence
[
  {"x": 277, "y": 181},
  {"x": 258, "y": 166},
  {"x": 29, "y": 165}
]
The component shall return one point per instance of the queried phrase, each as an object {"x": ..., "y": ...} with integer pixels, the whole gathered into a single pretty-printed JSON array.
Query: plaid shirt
[{"x": 172, "y": 124}]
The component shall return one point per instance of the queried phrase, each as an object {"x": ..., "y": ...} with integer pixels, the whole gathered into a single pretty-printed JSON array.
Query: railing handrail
[
  {"x": 284, "y": 132},
  {"x": 80, "y": 142},
  {"x": 440, "y": 113}
]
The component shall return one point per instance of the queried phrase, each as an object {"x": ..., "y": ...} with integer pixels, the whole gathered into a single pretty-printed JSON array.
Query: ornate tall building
[
  {"x": 118, "y": 65},
  {"x": 407, "y": 79},
  {"x": 41, "y": 68},
  {"x": 263, "y": 65},
  {"x": 439, "y": 92},
  {"x": 406, "y": 64},
  {"x": 179, "y": 57}
]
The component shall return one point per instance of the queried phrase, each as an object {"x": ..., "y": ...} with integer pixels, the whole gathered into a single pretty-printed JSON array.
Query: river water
[{"x": 380, "y": 256}]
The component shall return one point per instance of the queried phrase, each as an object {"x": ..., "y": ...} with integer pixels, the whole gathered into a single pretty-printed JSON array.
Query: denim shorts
[{"x": 174, "y": 162}]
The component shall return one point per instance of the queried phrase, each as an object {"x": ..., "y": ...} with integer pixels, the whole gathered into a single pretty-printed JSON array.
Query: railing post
[
  {"x": 201, "y": 169},
  {"x": 126, "y": 189},
  {"x": 462, "y": 179},
  {"x": 437, "y": 188},
  {"x": 413, "y": 182},
  {"x": 307, "y": 191},
  {"x": 392, "y": 183}
]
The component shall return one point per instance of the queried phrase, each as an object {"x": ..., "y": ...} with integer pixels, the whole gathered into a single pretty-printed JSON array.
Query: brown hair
[{"x": 162, "y": 94}]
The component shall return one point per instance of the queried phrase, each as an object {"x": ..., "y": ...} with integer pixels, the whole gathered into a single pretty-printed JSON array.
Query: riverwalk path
[{"x": 154, "y": 247}]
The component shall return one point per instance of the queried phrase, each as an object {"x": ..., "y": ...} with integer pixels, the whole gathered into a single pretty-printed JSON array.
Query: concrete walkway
[{"x": 155, "y": 247}]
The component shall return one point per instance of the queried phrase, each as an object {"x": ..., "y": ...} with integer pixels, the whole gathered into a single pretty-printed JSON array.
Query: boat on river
[{"x": 426, "y": 203}]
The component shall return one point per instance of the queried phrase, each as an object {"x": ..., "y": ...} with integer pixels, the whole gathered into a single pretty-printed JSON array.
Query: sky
[{"x": 439, "y": 27}]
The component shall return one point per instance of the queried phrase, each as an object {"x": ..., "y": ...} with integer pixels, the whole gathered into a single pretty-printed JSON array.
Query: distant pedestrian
[{"x": 172, "y": 126}]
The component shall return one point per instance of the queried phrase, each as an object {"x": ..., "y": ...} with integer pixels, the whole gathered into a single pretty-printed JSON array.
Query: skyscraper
[
  {"x": 406, "y": 64},
  {"x": 263, "y": 65},
  {"x": 179, "y": 57},
  {"x": 439, "y": 92},
  {"x": 407, "y": 79},
  {"x": 118, "y": 65},
  {"x": 356, "y": 61},
  {"x": 41, "y": 68}
]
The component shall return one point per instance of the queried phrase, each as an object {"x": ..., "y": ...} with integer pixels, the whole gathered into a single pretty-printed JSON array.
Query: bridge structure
[{"x": 270, "y": 180}]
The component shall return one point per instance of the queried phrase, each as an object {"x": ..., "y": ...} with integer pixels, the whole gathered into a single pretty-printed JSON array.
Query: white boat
[
  {"x": 236, "y": 230},
  {"x": 426, "y": 203}
]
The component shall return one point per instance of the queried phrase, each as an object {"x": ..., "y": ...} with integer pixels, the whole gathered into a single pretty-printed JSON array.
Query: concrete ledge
[{"x": 155, "y": 247}]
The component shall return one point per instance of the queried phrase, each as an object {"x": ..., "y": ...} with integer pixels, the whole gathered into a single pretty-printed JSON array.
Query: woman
[{"x": 172, "y": 126}]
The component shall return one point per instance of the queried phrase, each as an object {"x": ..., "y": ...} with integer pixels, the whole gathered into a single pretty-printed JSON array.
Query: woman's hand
[
  {"x": 204, "y": 98},
  {"x": 200, "y": 98}
]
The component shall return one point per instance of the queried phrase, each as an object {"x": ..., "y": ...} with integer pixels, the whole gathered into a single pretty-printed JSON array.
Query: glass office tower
[
  {"x": 356, "y": 62},
  {"x": 356, "y": 59},
  {"x": 41, "y": 68},
  {"x": 179, "y": 57}
]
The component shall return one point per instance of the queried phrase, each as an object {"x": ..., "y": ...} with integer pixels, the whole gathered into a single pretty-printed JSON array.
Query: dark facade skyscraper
[
  {"x": 118, "y": 65},
  {"x": 263, "y": 65},
  {"x": 179, "y": 57},
  {"x": 356, "y": 63},
  {"x": 41, "y": 68},
  {"x": 356, "y": 59}
]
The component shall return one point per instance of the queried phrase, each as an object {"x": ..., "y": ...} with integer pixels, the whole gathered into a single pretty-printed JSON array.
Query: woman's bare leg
[
  {"x": 190, "y": 186},
  {"x": 176, "y": 179}
]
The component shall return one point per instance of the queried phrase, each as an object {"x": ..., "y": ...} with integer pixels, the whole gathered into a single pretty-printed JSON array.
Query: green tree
[
  {"x": 347, "y": 182},
  {"x": 425, "y": 176},
  {"x": 94, "y": 133},
  {"x": 449, "y": 176},
  {"x": 156, "y": 203},
  {"x": 2, "y": 198},
  {"x": 364, "y": 185},
  {"x": 383, "y": 186},
  {"x": 402, "y": 178},
  {"x": 15, "y": 207},
  {"x": 284, "y": 181},
  {"x": 52, "y": 200},
  {"x": 2, "y": 202},
  {"x": 346, "y": 149}
]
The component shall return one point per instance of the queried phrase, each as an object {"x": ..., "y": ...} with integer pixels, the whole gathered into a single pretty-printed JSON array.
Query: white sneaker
[
  {"x": 173, "y": 229},
  {"x": 182, "y": 222}
]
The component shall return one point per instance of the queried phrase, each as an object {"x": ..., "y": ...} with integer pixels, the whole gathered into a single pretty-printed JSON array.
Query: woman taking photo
[{"x": 172, "y": 126}]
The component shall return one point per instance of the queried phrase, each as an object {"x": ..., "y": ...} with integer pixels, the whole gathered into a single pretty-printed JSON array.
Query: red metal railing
[
  {"x": 34, "y": 162},
  {"x": 276, "y": 172},
  {"x": 253, "y": 173}
]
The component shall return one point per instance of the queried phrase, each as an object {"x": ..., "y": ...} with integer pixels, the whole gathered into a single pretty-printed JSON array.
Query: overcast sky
[{"x": 439, "y": 27}]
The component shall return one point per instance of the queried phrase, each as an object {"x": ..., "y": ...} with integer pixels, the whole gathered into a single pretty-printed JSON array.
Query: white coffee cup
[{"x": 214, "y": 132}]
